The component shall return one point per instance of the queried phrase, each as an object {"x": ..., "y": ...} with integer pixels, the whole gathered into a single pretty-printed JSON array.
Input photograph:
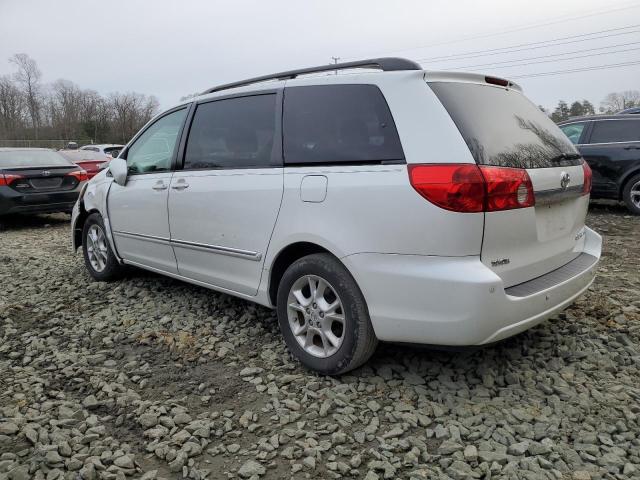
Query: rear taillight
[
  {"x": 507, "y": 188},
  {"x": 468, "y": 188},
  {"x": 7, "y": 178},
  {"x": 586, "y": 183},
  {"x": 455, "y": 187},
  {"x": 80, "y": 175}
]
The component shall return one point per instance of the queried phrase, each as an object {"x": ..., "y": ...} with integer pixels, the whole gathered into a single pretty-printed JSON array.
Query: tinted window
[
  {"x": 153, "y": 150},
  {"x": 573, "y": 131},
  {"x": 232, "y": 133},
  {"x": 31, "y": 158},
  {"x": 606, "y": 131},
  {"x": 502, "y": 127},
  {"x": 338, "y": 123},
  {"x": 113, "y": 151}
]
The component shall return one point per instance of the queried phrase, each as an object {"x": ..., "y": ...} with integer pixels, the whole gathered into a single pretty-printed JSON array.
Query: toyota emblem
[{"x": 565, "y": 179}]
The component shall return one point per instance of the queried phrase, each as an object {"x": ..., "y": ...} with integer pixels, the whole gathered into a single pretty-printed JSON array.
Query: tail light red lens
[
  {"x": 80, "y": 175},
  {"x": 455, "y": 187},
  {"x": 7, "y": 178},
  {"x": 468, "y": 188},
  {"x": 507, "y": 188},
  {"x": 588, "y": 175}
]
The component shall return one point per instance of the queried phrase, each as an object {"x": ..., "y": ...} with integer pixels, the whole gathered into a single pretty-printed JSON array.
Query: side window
[
  {"x": 153, "y": 150},
  {"x": 338, "y": 124},
  {"x": 573, "y": 131},
  {"x": 232, "y": 133},
  {"x": 608, "y": 131}
]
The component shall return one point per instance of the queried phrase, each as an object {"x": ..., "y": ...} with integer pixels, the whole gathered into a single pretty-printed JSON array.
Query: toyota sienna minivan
[{"x": 387, "y": 203}]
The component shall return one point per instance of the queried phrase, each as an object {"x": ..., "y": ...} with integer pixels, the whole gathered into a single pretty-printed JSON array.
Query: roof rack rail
[{"x": 386, "y": 64}]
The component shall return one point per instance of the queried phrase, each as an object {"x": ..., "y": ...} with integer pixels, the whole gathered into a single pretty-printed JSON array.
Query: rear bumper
[
  {"x": 458, "y": 301},
  {"x": 13, "y": 202}
]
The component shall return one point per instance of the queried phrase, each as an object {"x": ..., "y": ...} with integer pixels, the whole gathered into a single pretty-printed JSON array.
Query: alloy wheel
[
  {"x": 97, "y": 250},
  {"x": 316, "y": 316},
  {"x": 634, "y": 194}
]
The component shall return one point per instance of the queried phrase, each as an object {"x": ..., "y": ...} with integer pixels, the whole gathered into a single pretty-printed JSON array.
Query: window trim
[
  {"x": 172, "y": 162},
  {"x": 333, "y": 163},
  {"x": 277, "y": 160}
]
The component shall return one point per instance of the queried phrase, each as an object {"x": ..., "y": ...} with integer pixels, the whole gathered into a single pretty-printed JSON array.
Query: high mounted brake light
[
  {"x": 470, "y": 188},
  {"x": 497, "y": 81}
]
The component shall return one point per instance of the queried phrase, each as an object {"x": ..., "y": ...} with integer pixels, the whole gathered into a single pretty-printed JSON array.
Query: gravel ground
[{"x": 153, "y": 378}]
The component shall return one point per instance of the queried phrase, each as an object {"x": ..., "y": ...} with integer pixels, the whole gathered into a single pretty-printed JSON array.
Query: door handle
[
  {"x": 180, "y": 185},
  {"x": 159, "y": 185},
  {"x": 632, "y": 148}
]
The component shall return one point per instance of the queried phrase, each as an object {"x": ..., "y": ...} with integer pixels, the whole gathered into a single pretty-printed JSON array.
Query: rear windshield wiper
[{"x": 565, "y": 156}]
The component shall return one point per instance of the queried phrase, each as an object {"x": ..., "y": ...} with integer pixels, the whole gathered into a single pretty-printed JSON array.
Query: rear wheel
[
  {"x": 323, "y": 315},
  {"x": 631, "y": 194},
  {"x": 98, "y": 256}
]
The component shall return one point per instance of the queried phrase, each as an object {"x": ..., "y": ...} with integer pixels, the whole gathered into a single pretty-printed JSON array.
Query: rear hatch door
[{"x": 503, "y": 128}]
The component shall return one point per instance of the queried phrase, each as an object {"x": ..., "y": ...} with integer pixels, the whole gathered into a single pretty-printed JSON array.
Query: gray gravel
[{"x": 153, "y": 378}]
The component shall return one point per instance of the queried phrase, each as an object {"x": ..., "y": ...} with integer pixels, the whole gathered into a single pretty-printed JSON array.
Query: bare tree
[
  {"x": 28, "y": 76},
  {"x": 67, "y": 105},
  {"x": 131, "y": 111},
  {"x": 614, "y": 102},
  {"x": 11, "y": 108},
  {"x": 62, "y": 110}
]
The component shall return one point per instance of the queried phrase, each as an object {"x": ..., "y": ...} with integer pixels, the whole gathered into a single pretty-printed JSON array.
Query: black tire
[
  {"x": 358, "y": 338},
  {"x": 632, "y": 183},
  {"x": 112, "y": 269}
]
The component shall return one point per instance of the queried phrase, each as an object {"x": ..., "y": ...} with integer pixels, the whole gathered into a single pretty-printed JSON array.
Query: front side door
[
  {"x": 224, "y": 203},
  {"x": 138, "y": 210}
]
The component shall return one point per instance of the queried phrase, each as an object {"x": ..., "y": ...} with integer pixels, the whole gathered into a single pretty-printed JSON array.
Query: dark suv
[{"x": 611, "y": 146}]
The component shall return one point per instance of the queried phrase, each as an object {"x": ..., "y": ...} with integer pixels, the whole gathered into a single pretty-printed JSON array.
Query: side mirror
[{"x": 118, "y": 168}]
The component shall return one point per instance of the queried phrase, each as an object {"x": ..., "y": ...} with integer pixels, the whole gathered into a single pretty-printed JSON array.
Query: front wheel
[
  {"x": 631, "y": 194},
  {"x": 98, "y": 257},
  {"x": 323, "y": 316}
]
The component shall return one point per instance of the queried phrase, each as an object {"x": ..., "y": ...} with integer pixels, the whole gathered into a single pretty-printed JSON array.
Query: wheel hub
[
  {"x": 97, "y": 250},
  {"x": 316, "y": 316}
]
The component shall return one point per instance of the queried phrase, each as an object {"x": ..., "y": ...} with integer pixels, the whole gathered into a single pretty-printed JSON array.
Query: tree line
[
  {"x": 32, "y": 110},
  {"x": 612, "y": 103}
]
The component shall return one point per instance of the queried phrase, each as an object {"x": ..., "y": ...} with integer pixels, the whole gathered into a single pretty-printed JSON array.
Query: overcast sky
[{"x": 173, "y": 48}]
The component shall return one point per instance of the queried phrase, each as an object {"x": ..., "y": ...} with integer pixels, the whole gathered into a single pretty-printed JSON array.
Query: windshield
[
  {"x": 31, "y": 158},
  {"x": 503, "y": 128}
]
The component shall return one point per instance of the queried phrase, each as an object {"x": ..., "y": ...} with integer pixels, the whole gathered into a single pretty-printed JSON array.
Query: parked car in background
[
  {"x": 90, "y": 161},
  {"x": 627, "y": 111},
  {"x": 363, "y": 207},
  {"x": 38, "y": 180},
  {"x": 110, "y": 149},
  {"x": 611, "y": 146}
]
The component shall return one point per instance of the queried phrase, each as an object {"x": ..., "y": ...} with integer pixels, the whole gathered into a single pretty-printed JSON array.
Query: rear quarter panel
[{"x": 373, "y": 208}]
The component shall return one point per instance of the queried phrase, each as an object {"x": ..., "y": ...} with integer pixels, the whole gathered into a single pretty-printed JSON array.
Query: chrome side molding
[{"x": 234, "y": 252}]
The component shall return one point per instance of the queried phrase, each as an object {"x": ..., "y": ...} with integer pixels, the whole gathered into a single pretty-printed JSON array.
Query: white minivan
[{"x": 388, "y": 203}]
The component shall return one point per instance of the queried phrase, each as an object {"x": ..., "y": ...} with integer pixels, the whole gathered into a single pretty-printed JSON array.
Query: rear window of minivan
[
  {"x": 502, "y": 127},
  {"x": 338, "y": 124}
]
